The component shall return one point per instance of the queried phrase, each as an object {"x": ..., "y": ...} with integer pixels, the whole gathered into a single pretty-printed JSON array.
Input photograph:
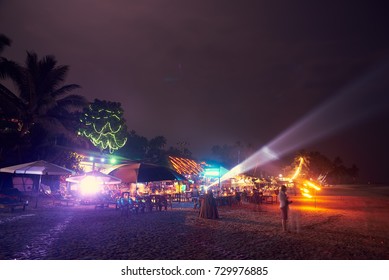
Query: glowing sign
[{"x": 214, "y": 172}]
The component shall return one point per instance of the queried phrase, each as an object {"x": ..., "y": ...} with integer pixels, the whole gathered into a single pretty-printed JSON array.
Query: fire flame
[
  {"x": 307, "y": 195},
  {"x": 298, "y": 170},
  {"x": 309, "y": 183}
]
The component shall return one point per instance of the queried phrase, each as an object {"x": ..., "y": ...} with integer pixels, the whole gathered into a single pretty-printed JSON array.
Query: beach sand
[{"x": 340, "y": 223}]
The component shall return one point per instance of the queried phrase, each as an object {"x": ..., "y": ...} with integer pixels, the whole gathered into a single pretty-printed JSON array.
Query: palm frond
[
  {"x": 64, "y": 90},
  {"x": 10, "y": 99},
  {"x": 53, "y": 79},
  {"x": 32, "y": 63},
  {"x": 47, "y": 64},
  {"x": 72, "y": 101},
  {"x": 55, "y": 127},
  {"x": 10, "y": 69}
]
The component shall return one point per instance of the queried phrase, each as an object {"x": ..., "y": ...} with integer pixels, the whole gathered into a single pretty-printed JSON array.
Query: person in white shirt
[{"x": 284, "y": 206}]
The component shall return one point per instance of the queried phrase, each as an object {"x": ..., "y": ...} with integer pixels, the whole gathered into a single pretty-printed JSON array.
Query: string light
[
  {"x": 104, "y": 127},
  {"x": 185, "y": 166}
]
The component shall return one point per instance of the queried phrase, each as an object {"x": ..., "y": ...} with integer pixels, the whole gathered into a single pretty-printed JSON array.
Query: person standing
[
  {"x": 284, "y": 206},
  {"x": 195, "y": 197},
  {"x": 208, "y": 208}
]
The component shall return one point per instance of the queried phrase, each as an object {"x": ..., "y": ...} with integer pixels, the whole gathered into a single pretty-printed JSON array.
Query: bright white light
[
  {"x": 90, "y": 185},
  {"x": 269, "y": 153}
]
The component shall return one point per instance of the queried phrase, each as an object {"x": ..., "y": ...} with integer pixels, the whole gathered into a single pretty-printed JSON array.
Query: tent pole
[
  {"x": 136, "y": 181},
  {"x": 39, "y": 187}
]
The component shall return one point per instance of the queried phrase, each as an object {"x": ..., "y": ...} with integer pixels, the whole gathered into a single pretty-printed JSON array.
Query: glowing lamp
[{"x": 90, "y": 185}]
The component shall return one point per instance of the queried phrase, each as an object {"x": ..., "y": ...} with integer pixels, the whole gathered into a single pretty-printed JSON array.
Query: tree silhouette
[{"x": 40, "y": 107}]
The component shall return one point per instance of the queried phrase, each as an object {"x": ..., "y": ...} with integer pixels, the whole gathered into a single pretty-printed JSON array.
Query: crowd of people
[{"x": 208, "y": 207}]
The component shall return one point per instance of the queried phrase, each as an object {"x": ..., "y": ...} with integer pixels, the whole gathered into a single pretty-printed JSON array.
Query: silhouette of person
[
  {"x": 284, "y": 207},
  {"x": 208, "y": 208}
]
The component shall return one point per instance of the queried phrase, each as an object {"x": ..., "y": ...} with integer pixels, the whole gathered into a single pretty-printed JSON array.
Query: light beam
[{"x": 364, "y": 98}]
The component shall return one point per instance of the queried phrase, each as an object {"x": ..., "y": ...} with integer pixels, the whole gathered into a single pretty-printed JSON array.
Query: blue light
[{"x": 211, "y": 172}]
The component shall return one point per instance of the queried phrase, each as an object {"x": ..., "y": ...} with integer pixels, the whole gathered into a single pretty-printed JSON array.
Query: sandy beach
[{"x": 340, "y": 223}]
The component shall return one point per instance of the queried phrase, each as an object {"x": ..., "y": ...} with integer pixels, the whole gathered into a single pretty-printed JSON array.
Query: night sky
[{"x": 217, "y": 72}]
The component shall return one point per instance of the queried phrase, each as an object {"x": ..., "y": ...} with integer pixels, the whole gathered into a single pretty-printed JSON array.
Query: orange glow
[
  {"x": 298, "y": 170},
  {"x": 305, "y": 190},
  {"x": 307, "y": 194},
  {"x": 313, "y": 185},
  {"x": 186, "y": 166},
  {"x": 312, "y": 208}
]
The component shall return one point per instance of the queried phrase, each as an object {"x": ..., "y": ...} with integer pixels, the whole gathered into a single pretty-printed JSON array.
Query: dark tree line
[{"x": 320, "y": 168}]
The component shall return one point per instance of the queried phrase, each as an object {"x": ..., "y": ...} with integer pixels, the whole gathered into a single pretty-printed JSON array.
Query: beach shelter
[
  {"x": 100, "y": 177},
  {"x": 144, "y": 172},
  {"x": 39, "y": 168},
  {"x": 93, "y": 182}
]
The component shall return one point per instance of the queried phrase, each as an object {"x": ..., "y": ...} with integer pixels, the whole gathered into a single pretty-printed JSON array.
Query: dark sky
[{"x": 216, "y": 72}]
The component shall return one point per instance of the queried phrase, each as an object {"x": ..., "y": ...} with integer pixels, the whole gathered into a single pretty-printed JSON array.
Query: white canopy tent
[{"x": 40, "y": 168}]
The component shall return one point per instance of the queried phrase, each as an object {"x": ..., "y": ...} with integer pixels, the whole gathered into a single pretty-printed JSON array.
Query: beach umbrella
[
  {"x": 39, "y": 168},
  {"x": 144, "y": 172}
]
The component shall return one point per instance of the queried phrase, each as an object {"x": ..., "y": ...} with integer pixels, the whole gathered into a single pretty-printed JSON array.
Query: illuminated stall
[{"x": 93, "y": 185}]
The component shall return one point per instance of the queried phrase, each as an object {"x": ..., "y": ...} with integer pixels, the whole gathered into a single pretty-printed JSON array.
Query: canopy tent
[
  {"x": 144, "y": 172},
  {"x": 40, "y": 168},
  {"x": 100, "y": 177},
  {"x": 93, "y": 183}
]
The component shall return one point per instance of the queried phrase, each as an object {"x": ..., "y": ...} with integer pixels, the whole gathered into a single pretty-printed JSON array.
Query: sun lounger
[
  {"x": 12, "y": 200},
  {"x": 13, "y": 205}
]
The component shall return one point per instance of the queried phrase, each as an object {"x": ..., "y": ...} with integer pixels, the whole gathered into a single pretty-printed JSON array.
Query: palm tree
[{"x": 41, "y": 101}]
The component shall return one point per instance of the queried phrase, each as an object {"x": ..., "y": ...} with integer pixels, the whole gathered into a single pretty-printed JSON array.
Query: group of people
[{"x": 208, "y": 206}]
